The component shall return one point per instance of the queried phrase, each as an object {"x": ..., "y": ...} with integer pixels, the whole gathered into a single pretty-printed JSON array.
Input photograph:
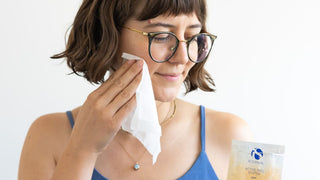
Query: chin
[{"x": 165, "y": 95}]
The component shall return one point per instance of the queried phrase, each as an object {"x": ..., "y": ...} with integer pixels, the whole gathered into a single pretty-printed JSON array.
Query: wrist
[{"x": 75, "y": 163}]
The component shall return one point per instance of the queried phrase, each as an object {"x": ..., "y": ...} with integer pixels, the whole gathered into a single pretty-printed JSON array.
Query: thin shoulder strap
[
  {"x": 70, "y": 117},
  {"x": 203, "y": 128}
]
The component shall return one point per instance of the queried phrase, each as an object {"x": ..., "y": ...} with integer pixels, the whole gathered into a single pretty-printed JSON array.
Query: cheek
[
  {"x": 152, "y": 66},
  {"x": 134, "y": 45},
  {"x": 189, "y": 65}
]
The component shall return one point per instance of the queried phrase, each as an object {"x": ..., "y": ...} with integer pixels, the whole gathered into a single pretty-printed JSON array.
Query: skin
[{"x": 52, "y": 150}]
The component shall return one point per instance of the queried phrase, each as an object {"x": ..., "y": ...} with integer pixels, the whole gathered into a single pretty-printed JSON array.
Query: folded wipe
[{"x": 143, "y": 122}]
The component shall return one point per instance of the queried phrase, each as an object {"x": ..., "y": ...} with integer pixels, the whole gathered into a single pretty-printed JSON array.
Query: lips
[{"x": 170, "y": 76}]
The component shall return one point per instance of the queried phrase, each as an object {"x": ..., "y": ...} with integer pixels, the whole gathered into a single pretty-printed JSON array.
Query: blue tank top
[{"x": 201, "y": 168}]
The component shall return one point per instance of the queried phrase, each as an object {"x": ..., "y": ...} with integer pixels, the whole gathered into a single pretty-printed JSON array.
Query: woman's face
[{"x": 166, "y": 77}]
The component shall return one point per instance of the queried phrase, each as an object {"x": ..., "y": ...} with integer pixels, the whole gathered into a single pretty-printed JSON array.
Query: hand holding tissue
[{"x": 143, "y": 121}]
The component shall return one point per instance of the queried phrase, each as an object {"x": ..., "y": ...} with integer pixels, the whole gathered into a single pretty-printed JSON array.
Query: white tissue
[{"x": 143, "y": 122}]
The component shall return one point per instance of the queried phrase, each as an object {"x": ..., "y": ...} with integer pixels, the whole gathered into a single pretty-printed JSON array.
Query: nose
[{"x": 181, "y": 54}]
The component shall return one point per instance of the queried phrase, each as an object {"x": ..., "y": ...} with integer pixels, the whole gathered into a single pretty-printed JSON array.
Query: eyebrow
[{"x": 171, "y": 25}]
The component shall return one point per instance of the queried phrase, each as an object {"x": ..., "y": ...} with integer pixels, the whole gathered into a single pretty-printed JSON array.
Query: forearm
[{"x": 74, "y": 165}]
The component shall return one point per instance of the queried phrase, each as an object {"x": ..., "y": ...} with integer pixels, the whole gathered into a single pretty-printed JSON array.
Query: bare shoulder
[
  {"x": 50, "y": 126},
  {"x": 46, "y": 138},
  {"x": 50, "y": 130},
  {"x": 46, "y": 121},
  {"x": 221, "y": 129},
  {"x": 223, "y": 126},
  {"x": 227, "y": 126}
]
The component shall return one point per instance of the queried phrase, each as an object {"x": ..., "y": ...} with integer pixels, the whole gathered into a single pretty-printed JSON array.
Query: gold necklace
[
  {"x": 136, "y": 166},
  {"x": 172, "y": 115}
]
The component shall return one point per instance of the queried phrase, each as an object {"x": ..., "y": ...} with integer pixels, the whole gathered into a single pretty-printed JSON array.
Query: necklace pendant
[{"x": 136, "y": 167}]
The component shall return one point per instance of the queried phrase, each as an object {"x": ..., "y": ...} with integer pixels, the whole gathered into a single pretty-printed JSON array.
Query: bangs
[{"x": 154, "y": 8}]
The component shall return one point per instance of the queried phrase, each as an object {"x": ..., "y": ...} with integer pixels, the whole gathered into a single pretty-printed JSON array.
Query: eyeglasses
[{"x": 163, "y": 45}]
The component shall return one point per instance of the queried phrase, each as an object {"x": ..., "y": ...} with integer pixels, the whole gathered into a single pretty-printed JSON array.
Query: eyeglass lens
[{"x": 164, "y": 45}]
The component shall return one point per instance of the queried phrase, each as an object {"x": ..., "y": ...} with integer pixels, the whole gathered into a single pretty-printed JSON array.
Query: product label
[{"x": 255, "y": 161}]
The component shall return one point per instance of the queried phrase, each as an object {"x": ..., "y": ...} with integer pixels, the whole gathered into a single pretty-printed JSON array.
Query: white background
[{"x": 265, "y": 64}]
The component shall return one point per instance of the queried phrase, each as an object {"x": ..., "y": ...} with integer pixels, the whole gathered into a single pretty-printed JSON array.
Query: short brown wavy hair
[{"x": 94, "y": 37}]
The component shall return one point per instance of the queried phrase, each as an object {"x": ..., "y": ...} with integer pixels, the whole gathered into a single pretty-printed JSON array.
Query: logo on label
[{"x": 257, "y": 153}]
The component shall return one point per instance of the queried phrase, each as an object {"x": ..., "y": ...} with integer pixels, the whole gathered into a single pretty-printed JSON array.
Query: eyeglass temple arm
[
  {"x": 146, "y": 34},
  {"x": 141, "y": 32}
]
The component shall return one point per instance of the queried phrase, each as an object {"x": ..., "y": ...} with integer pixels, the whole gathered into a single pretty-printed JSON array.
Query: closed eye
[{"x": 162, "y": 38}]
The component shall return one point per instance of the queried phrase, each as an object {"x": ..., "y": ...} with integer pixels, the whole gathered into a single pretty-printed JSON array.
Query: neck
[{"x": 164, "y": 110}]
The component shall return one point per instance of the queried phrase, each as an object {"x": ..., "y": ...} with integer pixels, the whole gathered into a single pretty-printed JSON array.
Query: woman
[{"x": 195, "y": 141}]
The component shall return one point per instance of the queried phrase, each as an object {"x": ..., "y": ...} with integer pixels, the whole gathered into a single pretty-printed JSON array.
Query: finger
[
  {"x": 118, "y": 73},
  {"x": 96, "y": 94},
  {"x": 120, "y": 83},
  {"x": 125, "y": 95},
  {"x": 126, "y": 109},
  {"x": 134, "y": 68}
]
